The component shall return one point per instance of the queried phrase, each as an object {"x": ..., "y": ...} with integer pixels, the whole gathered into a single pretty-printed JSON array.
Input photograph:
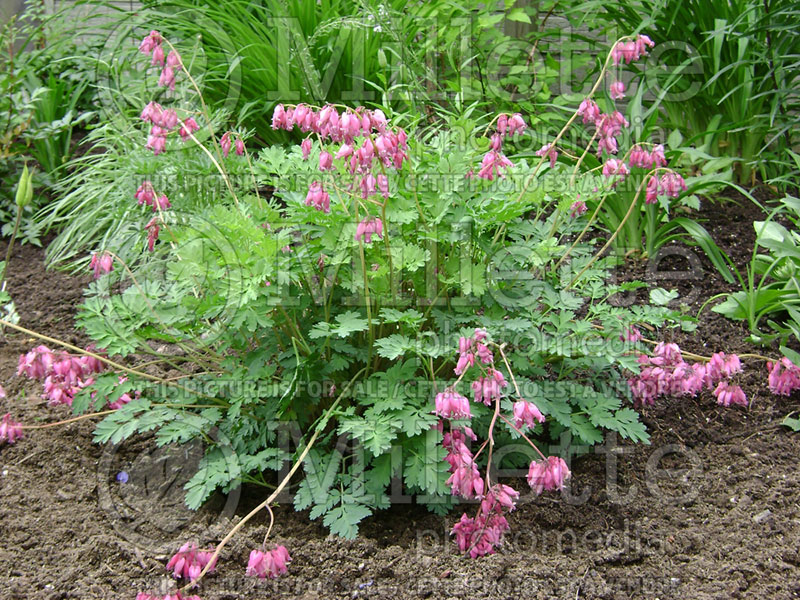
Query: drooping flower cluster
[
  {"x": 470, "y": 348},
  {"x": 608, "y": 126},
  {"x": 631, "y": 50},
  {"x": 318, "y": 197},
  {"x": 577, "y": 208},
  {"x": 465, "y": 479},
  {"x": 527, "y": 414},
  {"x": 549, "y": 151},
  {"x": 642, "y": 158},
  {"x": 369, "y": 227},
  {"x": 614, "y": 167},
  {"x": 64, "y": 375},
  {"x": 548, "y": 475},
  {"x": 268, "y": 564},
  {"x": 164, "y": 122},
  {"x": 10, "y": 431},
  {"x": 153, "y": 229},
  {"x": 452, "y": 405},
  {"x": 481, "y": 535},
  {"x": 494, "y": 161},
  {"x": 101, "y": 263},
  {"x": 146, "y": 194},
  {"x": 616, "y": 90},
  {"x": 367, "y": 145},
  {"x": 151, "y": 45},
  {"x": 225, "y": 143},
  {"x": 667, "y": 374},
  {"x": 188, "y": 562},
  {"x": 670, "y": 184},
  {"x": 488, "y": 389},
  {"x": 784, "y": 377}
]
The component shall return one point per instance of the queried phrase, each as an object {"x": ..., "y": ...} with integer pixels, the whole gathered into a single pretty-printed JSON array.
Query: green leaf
[
  {"x": 674, "y": 139},
  {"x": 519, "y": 15},
  {"x": 629, "y": 426},
  {"x": 791, "y": 423},
  {"x": 349, "y": 322},
  {"x": 394, "y": 346},
  {"x": 661, "y": 297},
  {"x": 425, "y": 467},
  {"x": 375, "y": 431},
  {"x": 585, "y": 430},
  {"x": 344, "y": 519}
]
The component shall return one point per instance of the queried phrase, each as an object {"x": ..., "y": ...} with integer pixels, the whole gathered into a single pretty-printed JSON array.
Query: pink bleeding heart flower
[
  {"x": 548, "y": 474},
  {"x": 153, "y": 230},
  {"x": 481, "y": 535},
  {"x": 727, "y": 394},
  {"x": 368, "y": 185},
  {"x": 173, "y": 59},
  {"x": 452, "y": 405},
  {"x": 346, "y": 151},
  {"x": 145, "y": 193},
  {"x": 167, "y": 77},
  {"x": 659, "y": 159},
  {"x": 101, "y": 263},
  {"x": 167, "y": 119},
  {"x": 239, "y": 145},
  {"x": 305, "y": 147},
  {"x": 502, "y": 124},
  {"x": 516, "y": 124},
  {"x": 577, "y": 208},
  {"x": 493, "y": 164},
  {"x": 367, "y": 228},
  {"x": 499, "y": 497},
  {"x": 784, "y": 377},
  {"x": 617, "y": 90},
  {"x": 280, "y": 118},
  {"x": 325, "y": 161},
  {"x": 189, "y": 127},
  {"x": 10, "y": 431},
  {"x": 225, "y": 143},
  {"x": 651, "y": 194},
  {"x": 150, "y": 42},
  {"x": 527, "y": 414},
  {"x": 158, "y": 57},
  {"x": 549, "y": 151},
  {"x": 671, "y": 184},
  {"x": 639, "y": 157},
  {"x": 189, "y": 562},
  {"x": 318, "y": 197},
  {"x": 614, "y": 167},
  {"x": 589, "y": 110},
  {"x": 152, "y": 112},
  {"x": 268, "y": 564},
  {"x": 383, "y": 185},
  {"x": 157, "y": 140},
  {"x": 161, "y": 203}
]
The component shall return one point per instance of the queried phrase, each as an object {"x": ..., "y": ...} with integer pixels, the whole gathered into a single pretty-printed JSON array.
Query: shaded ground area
[{"x": 709, "y": 510}]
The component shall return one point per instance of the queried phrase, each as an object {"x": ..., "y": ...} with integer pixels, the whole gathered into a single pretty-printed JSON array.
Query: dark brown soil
[{"x": 708, "y": 510}]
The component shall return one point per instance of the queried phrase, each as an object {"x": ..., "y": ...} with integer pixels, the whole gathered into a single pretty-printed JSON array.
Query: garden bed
[{"x": 714, "y": 513}]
